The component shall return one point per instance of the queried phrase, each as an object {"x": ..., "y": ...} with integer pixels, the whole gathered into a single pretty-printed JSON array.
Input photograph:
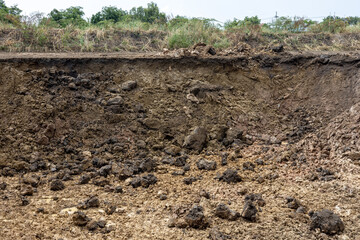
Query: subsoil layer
[{"x": 166, "y": 146}]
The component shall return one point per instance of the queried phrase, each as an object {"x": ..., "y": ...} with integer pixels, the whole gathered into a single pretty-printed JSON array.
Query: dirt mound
[{"x": 161, "y": 142}]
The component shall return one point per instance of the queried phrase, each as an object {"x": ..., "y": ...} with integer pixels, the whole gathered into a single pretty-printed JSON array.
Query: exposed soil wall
[{"x": 60, "y": 114}]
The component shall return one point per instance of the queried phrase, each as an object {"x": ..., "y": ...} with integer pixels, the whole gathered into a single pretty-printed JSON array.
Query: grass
[{"x": 140, "y": 36}]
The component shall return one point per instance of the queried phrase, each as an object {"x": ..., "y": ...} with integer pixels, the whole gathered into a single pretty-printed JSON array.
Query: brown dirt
[{"x": 66, "y": 115}]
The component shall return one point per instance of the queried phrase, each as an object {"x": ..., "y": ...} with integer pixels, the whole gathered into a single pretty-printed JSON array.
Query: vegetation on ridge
[{"x": 147, "y": 29}]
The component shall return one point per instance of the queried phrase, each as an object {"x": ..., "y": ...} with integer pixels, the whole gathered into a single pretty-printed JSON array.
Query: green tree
[
  {"x": 71, "y": 15},
  {"x": 151, "y": 14},
  {"x": 247, "y": 24},
  {"x": 9, "y": 14},
  {"x": 109, "y": 14}
]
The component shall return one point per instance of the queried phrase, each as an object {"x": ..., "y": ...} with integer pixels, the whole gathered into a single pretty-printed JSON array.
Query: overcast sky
[{"x": 221, "y": 10}]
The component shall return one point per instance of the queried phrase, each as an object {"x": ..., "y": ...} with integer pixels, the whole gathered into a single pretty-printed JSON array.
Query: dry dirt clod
[
  {"x": 204, "y": 164},
  {"x": 196, "y": 218},
  {"x": 249, "y": 211},
  {"x": 144, "y": 181},
  {"x": 57, "y": 185},
  {"x": 80, "y": 219},
  {"x": 256, "y": 198},
  {"x": 224, "y": 212},
  {"x": 196, "y": 140},
  {"x": 327, "y": 221},
  {"x": 92, "y": 202},
  {"x": 190, "y": 180},
  {"x": 230, "y": 176}
]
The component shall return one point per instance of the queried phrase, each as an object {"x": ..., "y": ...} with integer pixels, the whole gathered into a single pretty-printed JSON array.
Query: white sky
[{"x": 221, "y": 10}]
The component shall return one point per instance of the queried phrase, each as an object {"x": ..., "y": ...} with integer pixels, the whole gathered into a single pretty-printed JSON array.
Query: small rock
[
  {"x": 80, "y": 219},
  {"x": 204, "y": 194},
  {"x": 98, "y": 163},
  {"x": 215, "y": 234},
  {"x": 260, "y": 179},
  {"x": 163, "y": 197},
  {"x": 40, "y": 210},
  {"x": 196, "y": 218},
  {"x": 57, "y": 185},
  {"x": 118, "y": 189},
  {"x": 203, "y": 164},
  {"x": 92, "y": 225},
  {"x": 110, "y": 209},
  {"x": 224, "y": 212},
  {"x": 231, "y": 135},
  {"x": 230, "y": 176},
  {"x": 27, "y": 191},
  {"x": 105, "y": 170},
  {"x": 172, "y": 150},
  {"x": 292, "y": 203},
  {"x": 115, "y": 101},
  {"x": 249, "y": 211},
  {"x": 24, "y": 201},
  {"x": 72, "y": 86},
  {"x": 3, "y": 186},
  {"x": 190, "y": 180},
  {"x": 186, "y": 168},
  {"x": 259, "y": 161},
  {"x": 277, "y": 49},
  {"x": 178, "y": 173},
  {"x": 224, "y": 157},
  {"x": 84, "y": 179},
  {"x": 101, "y": 223},
  {"x": 248, "y": 166},
  {"x": 179, "y": 161},
  {"x": 327, "y": 221},
  {"x": 101, "y": 182},
  {"x": 129, "y": 85},
  {"x": 33, "y": 181},
  {"x": 301, "y": 209}
]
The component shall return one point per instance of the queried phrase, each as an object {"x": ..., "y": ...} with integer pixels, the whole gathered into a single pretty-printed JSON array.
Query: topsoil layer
[{"x": 150, "y": 136}]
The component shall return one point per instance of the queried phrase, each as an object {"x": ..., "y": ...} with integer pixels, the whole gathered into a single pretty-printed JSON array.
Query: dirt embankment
[{"x": 164, "y": 130}]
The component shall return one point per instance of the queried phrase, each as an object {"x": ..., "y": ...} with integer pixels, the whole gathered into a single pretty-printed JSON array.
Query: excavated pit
[{"x": 288, "y": 123}]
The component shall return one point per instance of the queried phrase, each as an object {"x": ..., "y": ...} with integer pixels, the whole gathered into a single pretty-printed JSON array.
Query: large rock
[
  {"x": 232, "y": 134},
  {"x": 196, "y": 140},
  {"x": 327, "y": 221}
]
